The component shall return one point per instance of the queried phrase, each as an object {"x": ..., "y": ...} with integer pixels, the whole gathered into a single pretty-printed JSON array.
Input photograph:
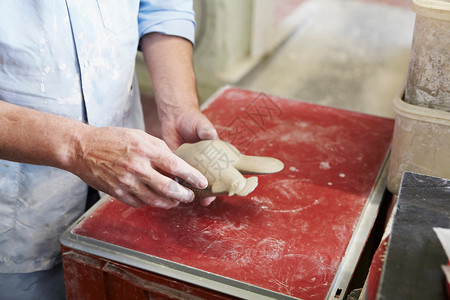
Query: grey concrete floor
[{"x": 346, "y": 54}]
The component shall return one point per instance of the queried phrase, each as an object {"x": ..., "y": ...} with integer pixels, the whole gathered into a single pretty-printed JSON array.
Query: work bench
[{"x": 299, "y": 235}]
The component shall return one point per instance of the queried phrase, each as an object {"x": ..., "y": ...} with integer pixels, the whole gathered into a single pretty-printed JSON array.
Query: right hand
[{"x": 129, "y": 165}]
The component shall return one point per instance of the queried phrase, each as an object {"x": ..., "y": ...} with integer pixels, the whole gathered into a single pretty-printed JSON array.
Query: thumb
[{"x": 206, "y": 130}]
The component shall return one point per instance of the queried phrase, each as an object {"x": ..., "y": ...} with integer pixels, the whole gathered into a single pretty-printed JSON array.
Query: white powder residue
[
  {"x": 293, "y": 169},
  {"x": 324, "y": 165}
]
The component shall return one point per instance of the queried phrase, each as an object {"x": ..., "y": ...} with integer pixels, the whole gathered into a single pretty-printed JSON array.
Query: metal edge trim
[{"x": 359, "y": 238}]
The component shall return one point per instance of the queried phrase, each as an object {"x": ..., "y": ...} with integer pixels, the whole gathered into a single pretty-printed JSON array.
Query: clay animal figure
[{"x": 222, "y": 164}]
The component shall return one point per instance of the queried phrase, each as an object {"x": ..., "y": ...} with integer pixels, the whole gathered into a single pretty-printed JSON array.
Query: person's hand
[
  {"x": 169, "y": 61},
  {"x": 130, "y": 165},
  {"x": 187, "y": 126}
]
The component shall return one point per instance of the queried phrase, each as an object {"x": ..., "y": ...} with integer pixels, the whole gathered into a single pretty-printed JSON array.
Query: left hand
[
  {"x": 188, "y": 126},
  {"x": 169, "y": 61}
]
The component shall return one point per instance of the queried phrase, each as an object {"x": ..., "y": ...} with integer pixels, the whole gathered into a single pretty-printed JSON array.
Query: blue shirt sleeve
[{"x": 171, "y": 17}]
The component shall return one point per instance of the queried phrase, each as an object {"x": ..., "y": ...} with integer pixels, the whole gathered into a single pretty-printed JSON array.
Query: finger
[
  {"x": 206, "y": 130},
  {"x": 128, "y": 199},
  {"x": 137, "y": 192},
  {"x": 195, "y": 126},
  {"x": 144, "y": 196},
  {"x": 168, "y": 188},
  {"x": 163, "y": 203},
  {"x": 207, "y": 201},
  {"x": 176, "y": 166}
]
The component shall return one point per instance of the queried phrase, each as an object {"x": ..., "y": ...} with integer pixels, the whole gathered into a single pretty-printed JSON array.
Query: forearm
[
  {"x": 169, "y": 61},
  {"x": 34, "y": 137},
  {"x": 119, "y": 161}
]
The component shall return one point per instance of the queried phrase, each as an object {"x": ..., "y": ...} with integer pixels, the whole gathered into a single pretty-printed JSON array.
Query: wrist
[
  {"x": 175, "y": 106},
  {"x": 71, "y": 154}
]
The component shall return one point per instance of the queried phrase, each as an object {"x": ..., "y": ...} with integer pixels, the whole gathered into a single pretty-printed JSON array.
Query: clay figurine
[{"x": 222, "y": 164}]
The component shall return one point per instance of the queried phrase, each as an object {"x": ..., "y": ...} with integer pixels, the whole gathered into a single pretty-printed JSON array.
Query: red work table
[{"x": 299, "y": 235}]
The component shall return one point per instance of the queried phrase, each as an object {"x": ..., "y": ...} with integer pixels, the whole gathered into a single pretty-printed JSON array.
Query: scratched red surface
[{"x": 291, "y": 233}]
